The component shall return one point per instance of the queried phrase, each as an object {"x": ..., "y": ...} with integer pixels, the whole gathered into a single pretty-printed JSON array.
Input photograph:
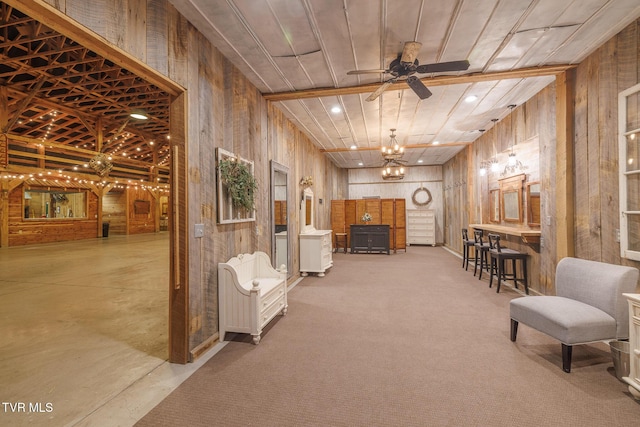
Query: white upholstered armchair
[{"x": 588, "y": 306}]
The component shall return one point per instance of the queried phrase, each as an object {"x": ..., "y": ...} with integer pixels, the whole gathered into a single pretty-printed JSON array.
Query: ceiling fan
[{"x": 406, "y": 65}]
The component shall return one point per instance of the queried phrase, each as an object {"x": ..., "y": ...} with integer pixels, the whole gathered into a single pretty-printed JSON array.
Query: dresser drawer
[
  {"x": 269, "y": 312},
  {"x": 272, "y": 296}
]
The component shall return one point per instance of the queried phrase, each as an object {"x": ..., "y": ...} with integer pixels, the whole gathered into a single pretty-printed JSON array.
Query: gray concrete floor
[{"x": 84, "y": 330}]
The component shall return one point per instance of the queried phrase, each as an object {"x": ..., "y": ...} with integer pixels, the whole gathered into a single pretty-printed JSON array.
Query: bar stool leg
[
  {"x": 484, "y": 263},
  {"x": 501, "y": 274},
  {"x": 475, "y": 263},
  {"x": 493, "y": 266},
  {"x": 465, "y": 253}
]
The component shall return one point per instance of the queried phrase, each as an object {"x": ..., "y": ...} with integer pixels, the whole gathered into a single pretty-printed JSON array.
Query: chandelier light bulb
[{"x": 512, "y": 159}]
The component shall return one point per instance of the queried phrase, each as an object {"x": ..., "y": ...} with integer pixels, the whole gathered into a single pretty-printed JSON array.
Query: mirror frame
[
  {"x": 279, "y": 168},
  {"x": 494, "y": 205},
  {"x": 507, "y": 187},
  {"x": 305, "y": 228},
  {"x": 530, "y": 221}
]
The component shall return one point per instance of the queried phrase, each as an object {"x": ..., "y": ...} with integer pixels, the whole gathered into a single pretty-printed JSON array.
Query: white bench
[{"x": 250, "y": 294}]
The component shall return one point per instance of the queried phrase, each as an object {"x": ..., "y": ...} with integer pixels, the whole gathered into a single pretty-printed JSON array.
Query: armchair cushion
[{"x": 567, "y": 320}]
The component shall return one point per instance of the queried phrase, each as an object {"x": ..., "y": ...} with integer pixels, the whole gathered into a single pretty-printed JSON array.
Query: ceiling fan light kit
[{"x": 406, "y": 65}]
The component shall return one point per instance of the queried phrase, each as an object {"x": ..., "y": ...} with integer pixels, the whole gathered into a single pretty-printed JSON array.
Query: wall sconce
[
  {"x": 513, "y": 165},
  {"x": 483, "y": 168}
]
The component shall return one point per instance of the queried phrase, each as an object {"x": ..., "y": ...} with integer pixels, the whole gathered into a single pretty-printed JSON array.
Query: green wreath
[
  {"x": 415, "y": 193},
  {"x": 239, "y": 182}
]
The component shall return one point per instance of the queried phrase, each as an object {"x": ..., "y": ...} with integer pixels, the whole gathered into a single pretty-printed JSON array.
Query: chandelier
[
  {"x": 392, "y": 170},
  {"x": 393, "y": 151},
  {"x": 101, "y": 163}
]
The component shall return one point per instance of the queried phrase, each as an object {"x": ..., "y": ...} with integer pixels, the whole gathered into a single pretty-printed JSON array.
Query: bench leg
[
  {"x": 566, "y": 358},
  {"x": 514, "y": 330}
]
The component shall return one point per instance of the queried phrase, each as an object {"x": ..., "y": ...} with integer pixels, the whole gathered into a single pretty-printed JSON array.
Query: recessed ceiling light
[
  {"x": 420, "y": 161},
  {"x": 336, "y": 110},
  {"x": 360, "y": 164},
  {"x": 436, "y": 142},
  {"x": 139, "y": 114},
  {"x": 470, "y": 98},
  {"x": 353, "y": 147}
]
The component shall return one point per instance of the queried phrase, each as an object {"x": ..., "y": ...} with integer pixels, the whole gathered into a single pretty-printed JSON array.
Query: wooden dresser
[
  {"x": 421, "y": 227},
  {"x": 369, "y": 238},
  {"x": 391, "y": 212},
  {"x": 315, "y": 252}
]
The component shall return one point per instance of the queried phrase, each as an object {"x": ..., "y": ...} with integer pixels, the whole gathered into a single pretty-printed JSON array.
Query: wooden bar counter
[{"x": 527, "y": 235}]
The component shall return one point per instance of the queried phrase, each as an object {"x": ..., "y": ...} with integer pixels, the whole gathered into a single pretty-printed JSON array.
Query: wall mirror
[
  {"x": 279, "y": 217},
  {"x": 306, "y": 212},
  {"x": 494, "y": 205},
  {"x": 511, "y": 200},
  {"x": 533, "y": 204}
]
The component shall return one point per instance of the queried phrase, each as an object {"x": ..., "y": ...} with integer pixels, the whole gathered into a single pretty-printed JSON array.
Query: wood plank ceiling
[
  {"x": 61, "y": 104},
  {"x": 298, "y": 54}
]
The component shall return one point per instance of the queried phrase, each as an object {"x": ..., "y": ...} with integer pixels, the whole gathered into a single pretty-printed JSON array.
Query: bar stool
[
  {"x": 466, "y": 245},
  {"x": 341, "y": 242},
  {"x": 498, "y": 256},
  {"x": 482, "y": 251}
]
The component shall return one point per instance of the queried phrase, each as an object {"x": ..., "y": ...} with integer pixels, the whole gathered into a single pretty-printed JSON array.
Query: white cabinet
[
  {"x": 634, "y": 345},
  {"x": 421, "y": 227},
  {"x": 315, "y": 252}
]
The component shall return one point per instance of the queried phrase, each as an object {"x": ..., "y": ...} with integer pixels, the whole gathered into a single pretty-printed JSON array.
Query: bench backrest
[
  {"x": 600, "y": 285},
  {"x": 250, "y": 266}
]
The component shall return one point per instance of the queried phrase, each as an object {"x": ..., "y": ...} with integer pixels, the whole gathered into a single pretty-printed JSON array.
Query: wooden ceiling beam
[
  {"x": 549, "y": 70},
  {"x": 409, "y": 146}
]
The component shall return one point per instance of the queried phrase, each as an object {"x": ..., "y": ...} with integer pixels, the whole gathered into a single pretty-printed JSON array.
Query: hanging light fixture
[
  {"x": 394, "y": 151},
  {"x": 392, "y": 168},
  {"x": 101, "y": 163},
  {"x": 392, "y": 171}
]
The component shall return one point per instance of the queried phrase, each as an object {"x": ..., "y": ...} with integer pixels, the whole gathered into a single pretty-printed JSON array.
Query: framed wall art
[{"x": 236, "y": 188}]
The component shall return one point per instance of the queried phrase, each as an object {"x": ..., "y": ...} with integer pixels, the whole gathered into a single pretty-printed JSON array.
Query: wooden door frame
[{"x": 178, "y": 280}]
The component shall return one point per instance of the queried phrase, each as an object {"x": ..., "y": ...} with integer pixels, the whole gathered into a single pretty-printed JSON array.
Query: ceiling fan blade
[
  {"x": 379, "y": 91},
  {"x": 418, "y": 87},
  {"x": 410, "y": 52},
  {"x": 366, "y": 72},
  {"x": 441, "y": 67}
]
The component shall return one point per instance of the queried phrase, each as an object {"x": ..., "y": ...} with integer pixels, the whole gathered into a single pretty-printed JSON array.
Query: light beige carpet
[{"x": 409, "y": 339}]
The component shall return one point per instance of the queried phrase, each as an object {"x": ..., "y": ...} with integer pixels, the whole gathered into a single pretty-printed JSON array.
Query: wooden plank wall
[
  {"x": 367, "y": 182},
  {"x": 531, "y": 129},
  {"x": 114, "y": 211},
  {"x": 613, "y": 67},
  {"x": 456, "y": 199},
  {"x": 32, "y": 232},
  {"x": 140, "y": 222},
  {"x": 224, "y": 110}
]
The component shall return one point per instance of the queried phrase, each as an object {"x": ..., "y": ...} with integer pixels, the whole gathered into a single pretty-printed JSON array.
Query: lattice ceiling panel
[{"x": 63, "y": 95}]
